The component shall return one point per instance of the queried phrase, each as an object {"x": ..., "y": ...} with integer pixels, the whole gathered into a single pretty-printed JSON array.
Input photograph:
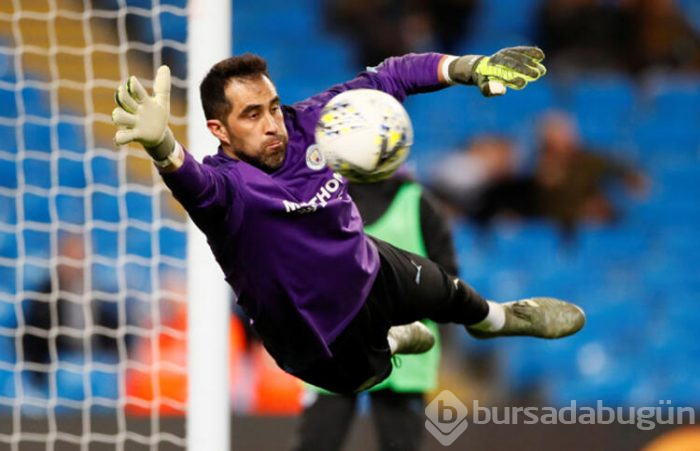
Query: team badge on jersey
[{"x": 314, "y": 158}]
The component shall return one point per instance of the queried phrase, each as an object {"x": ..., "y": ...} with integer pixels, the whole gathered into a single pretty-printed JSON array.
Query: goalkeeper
[{"x": 330, "y": 304}]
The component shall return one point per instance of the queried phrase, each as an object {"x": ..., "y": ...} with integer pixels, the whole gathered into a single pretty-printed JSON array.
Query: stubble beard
[{"x": 268, "y": 160}]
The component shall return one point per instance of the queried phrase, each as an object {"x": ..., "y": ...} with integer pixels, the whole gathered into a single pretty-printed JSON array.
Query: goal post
[{"x": 208, "y": 414}]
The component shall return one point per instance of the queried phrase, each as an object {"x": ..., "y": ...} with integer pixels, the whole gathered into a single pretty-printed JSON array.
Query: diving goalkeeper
[{"x": 331, "y": 304}]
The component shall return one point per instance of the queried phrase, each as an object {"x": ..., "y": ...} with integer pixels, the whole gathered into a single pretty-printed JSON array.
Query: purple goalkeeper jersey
[{"x": 291, "y": 242}]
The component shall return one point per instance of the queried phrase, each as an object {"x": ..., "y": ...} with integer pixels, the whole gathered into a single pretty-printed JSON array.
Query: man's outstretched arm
[
  {"x": 143, "y": 118},
  {"x": 401, "y": 76}
]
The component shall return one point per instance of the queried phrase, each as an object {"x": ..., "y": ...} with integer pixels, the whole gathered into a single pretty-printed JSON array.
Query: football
[{"x": 364, "y": 134}]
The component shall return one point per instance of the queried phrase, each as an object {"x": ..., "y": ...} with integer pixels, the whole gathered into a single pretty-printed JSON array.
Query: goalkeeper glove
[
  {"x": 512, "y": 67},
  {"x": 144, "y": 119}
]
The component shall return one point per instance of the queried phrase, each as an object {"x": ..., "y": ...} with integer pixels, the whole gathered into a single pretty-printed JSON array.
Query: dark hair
[{"x": 211, "y": 90}]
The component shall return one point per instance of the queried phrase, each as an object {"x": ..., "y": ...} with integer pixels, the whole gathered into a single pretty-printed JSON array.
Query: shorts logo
[
  {"x": 418, "y": 267},
  {"x": 314, "y": 158}
]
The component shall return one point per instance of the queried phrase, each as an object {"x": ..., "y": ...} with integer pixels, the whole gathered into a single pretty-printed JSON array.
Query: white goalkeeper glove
[
  {"x": 512, "y": 67},
  {"x": 143, "y": 118}
]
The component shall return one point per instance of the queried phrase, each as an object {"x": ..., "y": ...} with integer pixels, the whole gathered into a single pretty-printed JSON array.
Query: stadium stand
[{"x": 637, "y": 280}]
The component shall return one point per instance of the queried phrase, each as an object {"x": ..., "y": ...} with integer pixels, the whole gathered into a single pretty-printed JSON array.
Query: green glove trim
[
  {"x": 162, "y": 150},
  {"x": 514, "y": 67}
]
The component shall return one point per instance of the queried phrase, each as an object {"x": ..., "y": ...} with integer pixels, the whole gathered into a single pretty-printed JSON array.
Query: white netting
[{"x": 92, "y": 248}]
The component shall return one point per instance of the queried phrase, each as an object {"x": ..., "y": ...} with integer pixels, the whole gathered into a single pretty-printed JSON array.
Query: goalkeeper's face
[{"x": 254, "y": 130}]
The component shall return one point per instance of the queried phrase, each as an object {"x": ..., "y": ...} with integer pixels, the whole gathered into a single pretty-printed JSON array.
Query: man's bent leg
[
  {"x": 414, "y": 338},
  {"x": 410, "y": 287},
  {"x": 361, "y": 356}
]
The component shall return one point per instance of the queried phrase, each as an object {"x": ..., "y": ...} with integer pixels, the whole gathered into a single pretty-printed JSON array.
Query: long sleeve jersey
[{"x": 290, "y": 242}]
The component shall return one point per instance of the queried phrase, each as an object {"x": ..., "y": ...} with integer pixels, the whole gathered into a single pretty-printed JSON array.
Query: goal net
[{"x": 92, "y": 246}]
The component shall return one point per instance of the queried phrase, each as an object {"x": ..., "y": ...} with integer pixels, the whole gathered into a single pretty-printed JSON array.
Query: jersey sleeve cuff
[{"x": 445, "y": 69}]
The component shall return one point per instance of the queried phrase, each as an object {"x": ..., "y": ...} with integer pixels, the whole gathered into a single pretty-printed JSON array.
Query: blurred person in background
[
  {"x": 584, "y": 35},
  {"x": 568, "y": 184},
  {"x": 461, "y": 178},
  {"x": 663, "y": 37},
  {"x": 66, "y": 305},
  {"x": 380, "y": 29},
  {"x": 571, "y": 179},
  {"x": 403, "y": 213},
  {"x": 628, "y": 35}
]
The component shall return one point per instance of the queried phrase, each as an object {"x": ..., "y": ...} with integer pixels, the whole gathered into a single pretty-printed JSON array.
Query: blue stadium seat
[
  {"x": 613, "y": 245},
  {"x": 8, "y": 209},
  {"x": 675, "y": 181},
  {"x": 530, "y": 362},
  {"x": 71, "y": 136},
  {"x": 7, "y": 388},
  {"x": 520, "y": 244},
  {"x": 8, "y": 351},
  {"x": 33, "y": 397},
  {"x": 673, "y": 97},
  {"x": 8, "y": 245},
  {"x": 8, "y": 283},
  {"x": 138, "y": 277},
  {"x": 7, "y": 65},
  {"x": 8, "y": 317},
  {"x": 602, "y": 375},
  {"x": 36, "y": 102},
  {"x": 8, "y": 173},
  {"x": 604, "y": 106},
  {"x": 8, "y": 104},
  {"x": 139, "y": 207},
  {"x": 504, "y": 17},
  {"x": 520, "y": 110},
  {"x": 616, "y": 322},
  {"x": 138, "y": 242},
  {"x": 105, "y": 385},
  {"x": 8, "y": 139},
  {"x": 661, "y": 141},
  {"x": 70, "y": 209},
  {"x": 670, "y": 357},
  {"x": 71, "y": 173},
  {"x": 105, "y": 207},
  {"x": 37, "y": 173},
  {"x": 37, "y": 208},
  {"x": 682, "y": 244},
  {"x": 105, "y": 243},
  {"x": 522, "y": 367},
  {"x": 668, "y": 124},
  {"x": 609, "y": 95},
  {"x": 173, "y": 26},
  {"x": 105, "y": 171},
  {"x": 172, "y": 243},
  {"x": 37, "y": 137},
  {"x": 106, "y": 277},
  {"x": 681, "y": 388},
  {"x": 70, "y": 384}
]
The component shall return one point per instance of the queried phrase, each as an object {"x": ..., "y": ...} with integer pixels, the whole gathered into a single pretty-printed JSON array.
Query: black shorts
[{"x": 408, "y": 288}]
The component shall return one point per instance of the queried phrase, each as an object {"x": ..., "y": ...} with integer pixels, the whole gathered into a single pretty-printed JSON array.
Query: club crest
[{"x": 314, "y": 158}]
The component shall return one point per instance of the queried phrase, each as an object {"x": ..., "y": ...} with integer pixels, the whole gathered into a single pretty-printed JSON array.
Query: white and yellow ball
[{"x": 364, "y": 134}]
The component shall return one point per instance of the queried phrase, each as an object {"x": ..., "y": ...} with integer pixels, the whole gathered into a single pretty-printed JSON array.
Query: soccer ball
[{"x": 364, "y": 134}]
